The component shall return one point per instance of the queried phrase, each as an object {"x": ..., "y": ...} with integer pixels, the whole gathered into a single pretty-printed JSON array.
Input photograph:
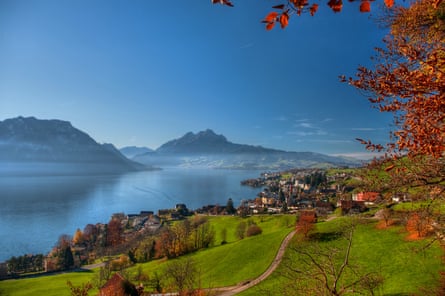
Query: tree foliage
[
  {"x": 408, "y": 79},
  {"x": 283, "y": 10},
  {"x": 81, "y": 290},
  {"x": 181, "y": 275},
  {"x": 184, "y": 237}
]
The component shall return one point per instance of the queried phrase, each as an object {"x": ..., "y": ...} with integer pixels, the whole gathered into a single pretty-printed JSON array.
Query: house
[
  {"x": 352, "y": 206},
  {"x": 268, "y": 201},
  {"x": 117, "y": 285},
  {"x": 146, "y": 213},
  {"x": 323, "y": 207},
  {"x": 369, "y": 198}
]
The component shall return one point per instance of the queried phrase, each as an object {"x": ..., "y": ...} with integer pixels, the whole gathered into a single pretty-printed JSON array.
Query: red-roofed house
[
  {"x": 367, "y": 197},
  {"x": 117, "y": 285}
]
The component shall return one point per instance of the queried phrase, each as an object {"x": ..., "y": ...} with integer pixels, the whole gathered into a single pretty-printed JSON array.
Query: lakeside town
[{"x": 313, "y": 191}]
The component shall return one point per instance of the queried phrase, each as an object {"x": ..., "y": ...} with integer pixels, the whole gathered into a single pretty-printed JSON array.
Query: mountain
[
  {"x": 132, "y": 151},
  {"x": 28, "y": 144},
  {"x": 207, "y": 142},
  {"x": 207, "y": 149}
]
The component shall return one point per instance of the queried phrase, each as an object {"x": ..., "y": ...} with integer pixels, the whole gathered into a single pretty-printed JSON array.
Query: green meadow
[
  {"x": 405, "y": 265},
  {"x": 220, "y": 265}
]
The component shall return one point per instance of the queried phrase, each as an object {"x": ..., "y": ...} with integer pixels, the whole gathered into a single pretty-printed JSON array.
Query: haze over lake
[{"x": 35, "y": 211}]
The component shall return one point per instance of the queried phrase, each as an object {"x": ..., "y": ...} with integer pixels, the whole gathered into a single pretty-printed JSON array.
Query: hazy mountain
[
  {"x": 30, "y": 144},
  {"x": 207, "y": 142},
  {"x": 132, "y": 151},
  {"x": 207, "y": 149}
]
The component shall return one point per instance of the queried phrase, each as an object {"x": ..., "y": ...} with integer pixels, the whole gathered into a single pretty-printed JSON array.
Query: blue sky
[{"x": 144, "y": 72}]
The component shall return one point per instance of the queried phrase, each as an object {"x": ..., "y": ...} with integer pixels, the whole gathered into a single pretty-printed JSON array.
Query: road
[{"x": 229, "y": 291}]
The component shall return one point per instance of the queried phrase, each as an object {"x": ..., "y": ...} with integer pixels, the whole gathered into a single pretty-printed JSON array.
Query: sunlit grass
[
  {"x": 220, "y": 265},
  {"x": 406, "y": 266}
]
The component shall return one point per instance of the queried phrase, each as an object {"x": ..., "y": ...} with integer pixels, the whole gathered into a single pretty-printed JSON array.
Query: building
[
  {"x": 117, "y": 285},
  {"x": 369, "y": 198}
]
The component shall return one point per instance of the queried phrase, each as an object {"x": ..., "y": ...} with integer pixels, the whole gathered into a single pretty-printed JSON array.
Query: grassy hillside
[
  {"x": 238, "y": 260},
  {"x": 220, "y": 265},
  {"x": 406, "y": 267}
]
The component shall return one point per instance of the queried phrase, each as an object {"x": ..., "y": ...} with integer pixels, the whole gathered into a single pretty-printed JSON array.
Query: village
[{"x": 309, "y": 191}]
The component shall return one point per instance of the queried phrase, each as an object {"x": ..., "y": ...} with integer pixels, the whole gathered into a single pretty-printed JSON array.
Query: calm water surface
[{"x": 35, "y": 211}]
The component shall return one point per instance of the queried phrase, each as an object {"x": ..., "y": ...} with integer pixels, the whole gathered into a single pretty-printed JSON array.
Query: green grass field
[
  {"x": 220, "y": 265},
  {"x": 405, "y": 268}
]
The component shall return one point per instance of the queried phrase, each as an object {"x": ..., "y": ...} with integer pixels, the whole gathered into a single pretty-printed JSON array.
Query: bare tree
[
  {"x": 181, "y": 275},
  {"x": 318, "y": 268}
]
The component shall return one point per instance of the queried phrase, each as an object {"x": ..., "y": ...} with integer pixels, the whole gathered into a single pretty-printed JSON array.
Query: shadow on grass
[
  {"x": 41, "y": 274},
  {"x": 325, "y": 236}
]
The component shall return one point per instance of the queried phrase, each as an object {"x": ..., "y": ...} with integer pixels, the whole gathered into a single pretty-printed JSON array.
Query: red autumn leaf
[
  {"x": 299, "y": 4},
  {"x": 365, "y": 6},
  {"x": 271, "y": 17},
  {"x": 389, "y": 3},
  {"x": 313, "y": 9},
  {"x": 387, "y": 169},
  {"x": 270, "y": 26},
  {"x": 335, "y": 5},
  {"x": 284, "y": 20}
]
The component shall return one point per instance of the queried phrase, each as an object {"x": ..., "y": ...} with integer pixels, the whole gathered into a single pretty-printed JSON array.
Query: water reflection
[{"x": 36, "y": 210}]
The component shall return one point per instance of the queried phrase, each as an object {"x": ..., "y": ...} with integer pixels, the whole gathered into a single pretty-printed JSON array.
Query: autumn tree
[
  {"x": 78, "y": 237},
  {"x": 306, "y": 223},
  {"x": 114, "y": 232},
  {"x": 184, "y": 237},
  {"x": 408, "y": 79},
  {"x": 284, "y": 10},
  {"x": 253, "y": 230}
]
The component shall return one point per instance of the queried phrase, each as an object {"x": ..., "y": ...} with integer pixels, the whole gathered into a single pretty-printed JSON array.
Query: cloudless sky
[{"x": 143, "y": 72}]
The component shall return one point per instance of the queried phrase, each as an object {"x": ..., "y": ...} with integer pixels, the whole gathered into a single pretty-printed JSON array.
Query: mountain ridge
[
  {"x": 28, "y": 140},
  {"x": 208, "y": 149}
]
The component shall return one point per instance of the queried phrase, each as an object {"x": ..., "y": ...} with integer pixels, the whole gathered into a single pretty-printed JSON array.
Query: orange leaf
[
  {"x": 313, "y": 9},
  {"x": 270, "y": 26},
  {"x": 284, "y": 20},
  {"x": 270, "y": 18},
  {"x": 387, "y": 169},
  {"x": 389, "y": 3},
  {"x": 336, "y": 5},
  {"x": 365, "y": 6}
]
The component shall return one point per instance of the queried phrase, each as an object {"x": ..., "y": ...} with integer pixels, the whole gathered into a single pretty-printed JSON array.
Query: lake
[{"x": 35, "y": 211}]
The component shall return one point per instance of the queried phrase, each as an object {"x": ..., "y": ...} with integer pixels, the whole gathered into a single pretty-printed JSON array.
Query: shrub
[{"x": 253, "y": 230}]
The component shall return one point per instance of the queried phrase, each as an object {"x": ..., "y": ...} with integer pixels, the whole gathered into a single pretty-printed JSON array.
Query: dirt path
[{"x": 229, "y": 291}]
